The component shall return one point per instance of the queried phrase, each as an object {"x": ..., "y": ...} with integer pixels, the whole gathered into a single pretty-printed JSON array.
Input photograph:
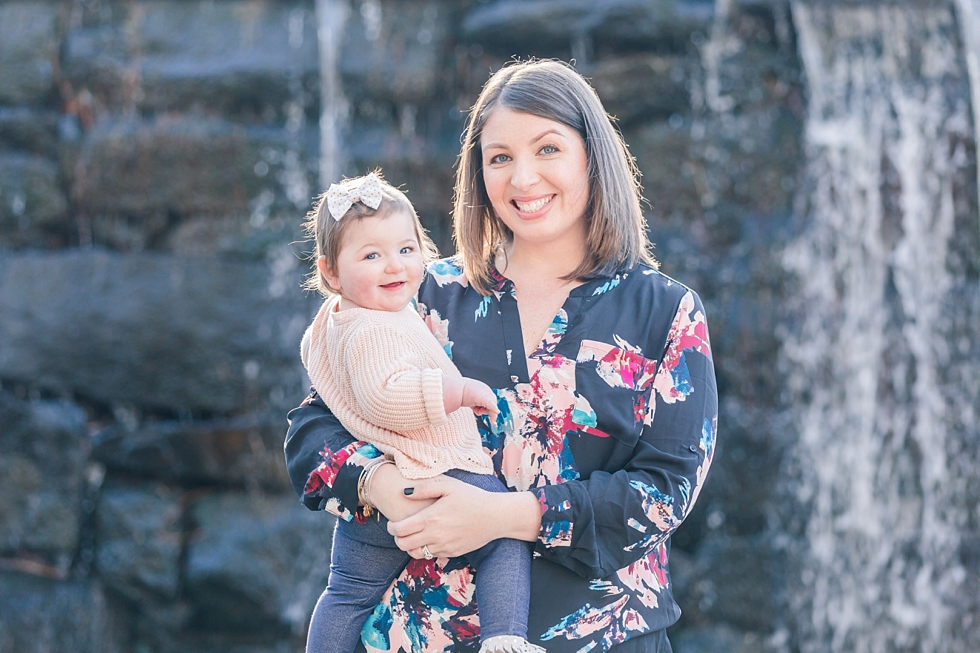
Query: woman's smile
[{"x": 528, "y": 207}]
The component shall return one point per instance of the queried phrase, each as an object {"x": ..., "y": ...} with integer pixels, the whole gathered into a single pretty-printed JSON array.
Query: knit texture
[{"x": 380, "y": 372}]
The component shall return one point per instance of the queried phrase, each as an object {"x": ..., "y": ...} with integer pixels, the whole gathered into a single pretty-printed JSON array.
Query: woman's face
[{"x": 536, "y": 175}]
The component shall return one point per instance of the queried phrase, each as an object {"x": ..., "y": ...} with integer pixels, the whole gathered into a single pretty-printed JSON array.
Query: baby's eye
[
  {"x": 371, "y": 256},
  {"x": 408, "y": 249},
  {"x": 549, "y": 149}
]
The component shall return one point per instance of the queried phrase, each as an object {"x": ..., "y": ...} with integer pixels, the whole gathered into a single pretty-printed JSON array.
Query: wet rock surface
[
  {"x": 242, "y": 452},
  {"x": 256, "y": 563},
  {"x": 139, "y": 537},
  {"x": 43, "y": 454},
  {"x": 29, "y": 50},
  {"x": 152, "y": 331},
  {"x": 231, "y": 58},
  {"x": 35, "y": 204},
  {"x": 39, "y": 615}
]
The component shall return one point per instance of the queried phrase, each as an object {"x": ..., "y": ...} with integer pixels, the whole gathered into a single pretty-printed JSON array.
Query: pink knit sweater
[{"x": 381, "y": 374}]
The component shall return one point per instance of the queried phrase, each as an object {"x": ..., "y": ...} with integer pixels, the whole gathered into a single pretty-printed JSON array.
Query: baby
[{"x": 389, "y": 382}]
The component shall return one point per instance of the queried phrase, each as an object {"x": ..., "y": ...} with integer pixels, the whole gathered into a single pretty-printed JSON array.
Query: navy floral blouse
[{"x": 611, "y": 422}]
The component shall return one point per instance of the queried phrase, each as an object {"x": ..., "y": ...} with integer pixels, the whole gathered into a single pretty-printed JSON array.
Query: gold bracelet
[
  {"x": 365, "y": 480},
  {"x": 368, "y": 466}
]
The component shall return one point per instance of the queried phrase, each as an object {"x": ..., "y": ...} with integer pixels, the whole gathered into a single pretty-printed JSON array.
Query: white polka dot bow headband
[{"x": 366, "y": 191}]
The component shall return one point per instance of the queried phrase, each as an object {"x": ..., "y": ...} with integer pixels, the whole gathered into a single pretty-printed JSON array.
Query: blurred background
[{"x": 811, "y": 171}]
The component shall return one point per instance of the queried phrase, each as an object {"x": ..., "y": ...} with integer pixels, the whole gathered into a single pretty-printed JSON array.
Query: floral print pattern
[
  {"x": 439, "y": 328},
  {"x": 447, "y": 622},
  {"x": 688, "y": 333},
  {"x": 606, "y": 378},
  {"x": 447, "y": 271},
  {"x": 321, "y": 480}
]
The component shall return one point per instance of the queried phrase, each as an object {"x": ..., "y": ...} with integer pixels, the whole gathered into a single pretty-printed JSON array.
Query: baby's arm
[
  {"x": 462, "y": 391},
  {"x": 395, "y": 390}
]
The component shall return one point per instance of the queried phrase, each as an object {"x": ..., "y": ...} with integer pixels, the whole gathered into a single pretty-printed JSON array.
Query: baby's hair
[{"x": 327, "y": 233}]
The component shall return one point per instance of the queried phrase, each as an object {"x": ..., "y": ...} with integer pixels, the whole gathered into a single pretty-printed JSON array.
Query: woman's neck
[{"x": 543, "y": 262}]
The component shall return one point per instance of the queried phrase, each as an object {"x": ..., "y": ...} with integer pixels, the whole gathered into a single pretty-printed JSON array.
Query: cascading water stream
[
  {"x": 968, "y": 14},
  {"x": 331, "y": 16},
  {"x": 883, "y": 361}
]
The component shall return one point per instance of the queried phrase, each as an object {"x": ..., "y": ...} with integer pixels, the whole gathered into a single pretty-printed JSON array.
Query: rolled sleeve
[{"x": 324, "y": 461}]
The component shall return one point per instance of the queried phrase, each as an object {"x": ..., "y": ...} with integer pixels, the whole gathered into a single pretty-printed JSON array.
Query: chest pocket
[{"x": 618, "y": 383}]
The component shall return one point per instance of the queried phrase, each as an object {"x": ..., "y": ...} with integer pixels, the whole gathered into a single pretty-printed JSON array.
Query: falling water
[
  {"x": 331, "y": 16},
  {"x": 968, "y": 13},
  {"x": 884, "y": 357},
  {"x": 293, "y": 179}
]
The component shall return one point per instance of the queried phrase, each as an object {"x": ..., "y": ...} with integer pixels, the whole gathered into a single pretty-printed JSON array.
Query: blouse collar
[{"x": 501, "y": 284}]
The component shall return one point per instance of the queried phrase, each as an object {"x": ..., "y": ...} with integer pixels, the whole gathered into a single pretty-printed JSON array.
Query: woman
[{"x": 603, "y": 374}]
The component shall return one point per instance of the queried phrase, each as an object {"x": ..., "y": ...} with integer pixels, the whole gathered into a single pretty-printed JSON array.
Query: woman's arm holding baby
[
  {"x": 325, "y": 464},
  {"x": 465, "y": 518}
]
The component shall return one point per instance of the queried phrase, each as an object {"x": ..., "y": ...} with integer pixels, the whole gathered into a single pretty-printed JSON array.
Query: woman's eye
[
  {"x": 499, "y": 158},
  {"x": 549, "y": 149}
]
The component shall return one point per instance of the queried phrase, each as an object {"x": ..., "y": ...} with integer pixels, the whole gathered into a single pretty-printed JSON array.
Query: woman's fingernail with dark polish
[{"x": 409, "y": 490}]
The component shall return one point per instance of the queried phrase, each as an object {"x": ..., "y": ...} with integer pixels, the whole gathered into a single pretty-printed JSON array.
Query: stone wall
[{"x": 156, "y": 160}]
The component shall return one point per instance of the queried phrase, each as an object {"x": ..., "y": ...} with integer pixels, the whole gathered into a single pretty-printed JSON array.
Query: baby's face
[{"x": 379, "y": 265}]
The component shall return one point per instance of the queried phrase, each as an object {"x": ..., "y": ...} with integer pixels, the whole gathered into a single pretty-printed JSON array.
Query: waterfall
[
  {"x": 969, "y": 18},
  {"x": 883, "y": 357},
  {"x": 331, "y": 16}
]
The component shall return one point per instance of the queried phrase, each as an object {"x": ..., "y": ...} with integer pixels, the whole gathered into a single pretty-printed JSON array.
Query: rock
[
  {"x": 613, "y": 25},
  {"x": 256, "y": 562},
  {"x": 139, "y": 540},
  {"x": 733, "y": 582},
  {"x": 33, "y": 204},
  {"x": 29, "y": 130},
  {"x": 638, "y": 23},
  {"x": 402, "y": 114},
  {"x": 243, "y": 60},
  {"x": 394, "y": 52},
  {"x": 670, "y": 183},
  {"x": 182, "y": 166},
  {"x": 195, "y": 186},
  {"x": 197, "y": 642},
  {"x": 43, "y": 451},
  {"x": 641, "y": 87},
  {"x": 242, "y": 452},
  {"x": 28, "y": 49},
  {"x": 155, "y": 332},
  {"x": 718, "y": 639},
  {"x": 38, "y": 615}
]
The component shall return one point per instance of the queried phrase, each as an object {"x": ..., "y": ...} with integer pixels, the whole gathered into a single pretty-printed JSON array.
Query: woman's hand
[
  {"x": 462, "y": 518},
  {"x": 386, "y": 493}
]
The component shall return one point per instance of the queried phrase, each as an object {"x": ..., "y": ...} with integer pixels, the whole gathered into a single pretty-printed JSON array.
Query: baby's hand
[{"x": 478, "y": 396}]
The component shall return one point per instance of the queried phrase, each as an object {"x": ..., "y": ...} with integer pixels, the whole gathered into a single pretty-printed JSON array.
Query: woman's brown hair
[{"x": 616, "y": 236}]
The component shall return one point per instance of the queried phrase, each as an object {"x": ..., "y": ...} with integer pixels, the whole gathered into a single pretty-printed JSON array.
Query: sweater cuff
[{"x": 432, "y": 397}]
